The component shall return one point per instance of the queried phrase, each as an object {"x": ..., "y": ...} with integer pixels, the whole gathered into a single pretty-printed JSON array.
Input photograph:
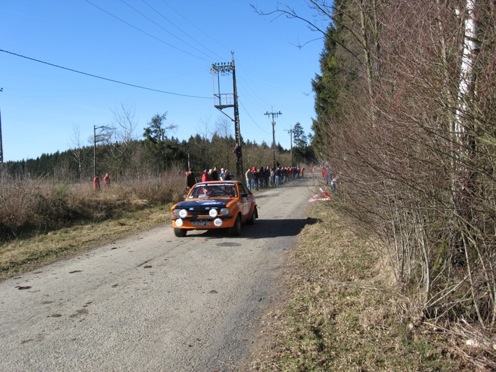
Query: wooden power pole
[
  {"x": 228, "y": 100},
  {"x": 274, "y": 115}
]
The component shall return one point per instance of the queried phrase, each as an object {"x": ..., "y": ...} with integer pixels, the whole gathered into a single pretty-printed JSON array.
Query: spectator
[
  {"x": 190, "y": 179},
  {"x": 328, "y": 177},
  {"x": 248, "y": 178},
  {"x": 215, "y": 174},
  {"x": 258, "y": 178},
  {"x": 266, "y": 175},
  {"x": 96, "y": 183},
  {"x": 333, "y": 183},
  {"x": 277, "y": 177},
  {"x": 106, "y": 180}
]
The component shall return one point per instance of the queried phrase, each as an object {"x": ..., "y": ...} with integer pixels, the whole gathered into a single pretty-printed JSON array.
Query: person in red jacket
[
  {"x": 106, "y": 179},
  {"x": 96, "y": 183}
]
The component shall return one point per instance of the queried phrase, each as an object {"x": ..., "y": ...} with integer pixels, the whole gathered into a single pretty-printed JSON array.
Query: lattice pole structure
[
  {"x": 274, "y": 115},
  {"x": 229, "y": 100}
]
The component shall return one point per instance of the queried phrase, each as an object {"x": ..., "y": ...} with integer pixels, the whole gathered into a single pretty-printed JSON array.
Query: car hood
[{"x": 197, "y": 205}]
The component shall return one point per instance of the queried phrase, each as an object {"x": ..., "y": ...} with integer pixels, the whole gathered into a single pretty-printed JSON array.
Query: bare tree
[
  {"x": 205, "y": 130},
  {"x": 124, "y": 119},
  {"x": 77, "y": 151},
  {"x": 125, "y": 146},
  {"x": 225, "y": 129}
]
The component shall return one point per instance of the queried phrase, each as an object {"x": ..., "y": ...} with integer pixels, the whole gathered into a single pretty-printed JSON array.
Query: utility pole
[
  {"x": 274, "y": 115},
  {"x": 102, "y": 136},
  {"x": 228, "y": 100},
  {"x": 290, "y": 131}
]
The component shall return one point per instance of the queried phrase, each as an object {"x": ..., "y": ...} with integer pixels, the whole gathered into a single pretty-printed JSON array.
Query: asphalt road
[{"x": 153, "y": 302}]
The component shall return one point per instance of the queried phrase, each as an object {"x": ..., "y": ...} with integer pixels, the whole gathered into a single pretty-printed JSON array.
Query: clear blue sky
[{"x": 167, "y": 45}]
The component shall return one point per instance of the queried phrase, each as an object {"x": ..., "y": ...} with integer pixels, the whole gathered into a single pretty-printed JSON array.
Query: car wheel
[
  {"x": 236, "y": 229},
  {"x": 180, "y": 233},
  {"x": 253, "y": 217}
]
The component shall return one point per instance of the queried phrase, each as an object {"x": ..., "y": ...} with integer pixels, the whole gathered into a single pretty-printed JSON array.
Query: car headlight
[
  {"x": 175, "y": 212},
  {"x": 183, "y": 213},
  {"x": 213, "y": 212},
  {"x": 224, "y": 211}
]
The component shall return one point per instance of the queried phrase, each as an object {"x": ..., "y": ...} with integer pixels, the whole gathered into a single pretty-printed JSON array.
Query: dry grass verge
[
  {"x": 30, "y": 207},
  {"x": 42, "y": 220},
  {"x": 342, "y": 312},
  {"x": 22, "y": 255}
]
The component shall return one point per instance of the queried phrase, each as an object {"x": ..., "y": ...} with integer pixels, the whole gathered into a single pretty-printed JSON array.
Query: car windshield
[{"x": 213, "y": 191}]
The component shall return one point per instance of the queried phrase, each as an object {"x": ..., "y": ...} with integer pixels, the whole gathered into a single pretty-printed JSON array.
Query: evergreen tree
[
  {"x": 299, "y": 136},
  {"x": 157, "y": 142},
  {"x": 300, "y": 147},
  {"x": 326, "y": 90}
]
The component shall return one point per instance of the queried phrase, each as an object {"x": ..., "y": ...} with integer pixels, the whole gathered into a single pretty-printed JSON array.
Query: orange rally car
[{"x": 215, "y": 205}]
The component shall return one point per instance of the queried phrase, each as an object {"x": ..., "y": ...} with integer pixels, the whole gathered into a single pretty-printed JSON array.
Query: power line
[
  {"x": 195, "y": 26},
  {"x": 161, "y": 27},
  {"x": 101, "y": 77},
  {"x": 253, "y": 120},
  {"x": 144, "y": 32},
  {"x": 202, "y": 45}
]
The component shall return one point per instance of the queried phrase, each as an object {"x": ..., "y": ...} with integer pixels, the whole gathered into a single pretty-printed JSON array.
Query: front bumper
[{"x": 203, "y": 222}]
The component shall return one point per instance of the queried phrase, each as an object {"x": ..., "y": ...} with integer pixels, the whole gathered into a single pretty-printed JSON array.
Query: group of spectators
[
  {"x": 96, "y": 181},
  {"x": 255, "y": 178},
  {"x": 208, "y": 175}
]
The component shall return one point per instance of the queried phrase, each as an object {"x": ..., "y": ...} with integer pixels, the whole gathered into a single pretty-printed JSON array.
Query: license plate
[{"x": 200, "y": 223}]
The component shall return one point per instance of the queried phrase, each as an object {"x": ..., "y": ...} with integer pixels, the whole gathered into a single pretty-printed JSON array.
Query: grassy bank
[
  {"x": 341, "y": 311},
  {"x": 21, "y": 255},
  {"x": 42, "y": 221},
  {"x": 29, "y": 207}
]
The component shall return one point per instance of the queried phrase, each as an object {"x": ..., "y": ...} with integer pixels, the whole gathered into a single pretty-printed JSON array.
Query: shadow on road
[{"x": 264, "y": 228}]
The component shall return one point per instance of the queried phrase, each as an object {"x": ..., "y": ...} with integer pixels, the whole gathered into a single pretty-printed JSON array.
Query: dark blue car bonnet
[{"x": 201, "y": 205}]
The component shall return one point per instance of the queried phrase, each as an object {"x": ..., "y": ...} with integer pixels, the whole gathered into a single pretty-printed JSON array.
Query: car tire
[
  {"x": 253, "y": 217},
  {"x": 180, "y": 233},
  {"x": 236, "y": 229}
]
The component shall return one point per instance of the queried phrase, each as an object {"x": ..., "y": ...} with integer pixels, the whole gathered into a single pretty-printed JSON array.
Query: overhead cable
[
  {"x": 103, "y": 78},
  {"x": 163, "y": 28},
  {"x": 201, "y": 44},
  {"x": 144, "y": 32}
]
